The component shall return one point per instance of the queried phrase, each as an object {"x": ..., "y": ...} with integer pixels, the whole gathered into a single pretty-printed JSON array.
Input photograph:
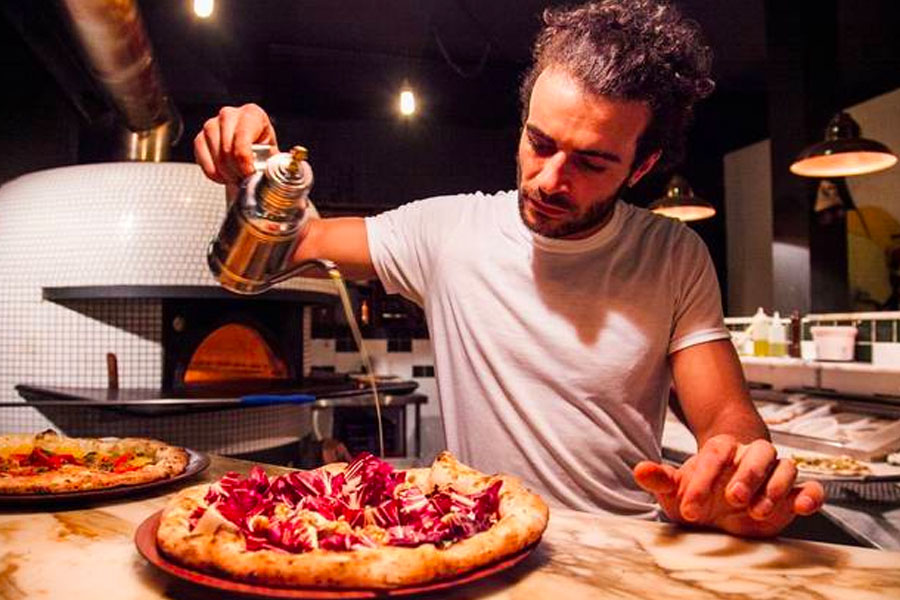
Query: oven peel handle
[{"x": 266, "y": 399}]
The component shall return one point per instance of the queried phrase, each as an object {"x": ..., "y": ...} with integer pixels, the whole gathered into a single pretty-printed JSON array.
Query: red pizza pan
[{"x": 145, "y": 540}]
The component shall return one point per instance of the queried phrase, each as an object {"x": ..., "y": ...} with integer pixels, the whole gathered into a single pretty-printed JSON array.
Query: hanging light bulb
[
  {"x": 204, "y": 8},
  {"x": 407, "y": 101},
  {"x": 681, "y": 203},
  {"x": 843, "y": 153}
]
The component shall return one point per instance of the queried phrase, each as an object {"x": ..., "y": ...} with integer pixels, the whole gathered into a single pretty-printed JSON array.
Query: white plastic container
[
  {"x": 777, "y": 337},
  {"x": 834, "y": 342}
]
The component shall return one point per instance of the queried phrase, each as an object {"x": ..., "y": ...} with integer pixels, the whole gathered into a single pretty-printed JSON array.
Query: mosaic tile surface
[{"x": 94, "y": 225}]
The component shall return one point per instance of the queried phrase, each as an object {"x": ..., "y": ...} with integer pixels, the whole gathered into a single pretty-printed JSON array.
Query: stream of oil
[{"x": 357, "y": 336}]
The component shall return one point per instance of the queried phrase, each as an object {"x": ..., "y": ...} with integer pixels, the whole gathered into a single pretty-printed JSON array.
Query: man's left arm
[
  {"x": 735, "y": 482},
  {"x": 713, "y": 395}
]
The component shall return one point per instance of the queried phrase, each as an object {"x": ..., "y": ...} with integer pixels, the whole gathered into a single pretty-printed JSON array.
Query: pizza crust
[
  {"x": 523, "y": 518},
  {"x": 168, "y": 461},
  {"x": 837, "y": 466}
]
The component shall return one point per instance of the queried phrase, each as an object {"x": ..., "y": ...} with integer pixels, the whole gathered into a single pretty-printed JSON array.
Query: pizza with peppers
[
  {"x": 49, "y": 463},
  {"x": 358, "y": 525}
]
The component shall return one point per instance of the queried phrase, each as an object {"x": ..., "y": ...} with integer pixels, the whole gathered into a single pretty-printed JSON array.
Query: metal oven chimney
[{"x": 117, "y": 48}]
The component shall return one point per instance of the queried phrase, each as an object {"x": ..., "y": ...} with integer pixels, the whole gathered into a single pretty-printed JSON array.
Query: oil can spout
[{"x": 326, "y": 266}]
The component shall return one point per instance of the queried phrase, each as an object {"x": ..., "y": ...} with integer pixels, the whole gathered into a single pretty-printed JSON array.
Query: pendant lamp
[
  {"x": 680, "y": 202},
  {"x": 843, "y": 153}
]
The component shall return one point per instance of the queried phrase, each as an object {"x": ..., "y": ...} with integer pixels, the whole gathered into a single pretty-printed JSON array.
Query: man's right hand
[
  {"x": 223, "y": 148},
  {"x": 224, "y": 151}
]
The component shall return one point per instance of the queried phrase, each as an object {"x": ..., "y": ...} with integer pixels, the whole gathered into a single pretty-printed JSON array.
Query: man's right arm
[
  {"x": 342, "y": 240},
  {"x": 223, "y": 150}
]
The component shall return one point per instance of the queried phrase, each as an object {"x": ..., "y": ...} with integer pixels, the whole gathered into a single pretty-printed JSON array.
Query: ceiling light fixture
[
  {"x": 204, "y": 8},
  {"x": 843, "y": 153},
  {"x": 680, "y": 202},
  {"x": 407, "y": 101}
]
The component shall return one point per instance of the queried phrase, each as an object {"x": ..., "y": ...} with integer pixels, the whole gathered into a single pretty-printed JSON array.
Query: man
[{"x": 560, "y": 316}]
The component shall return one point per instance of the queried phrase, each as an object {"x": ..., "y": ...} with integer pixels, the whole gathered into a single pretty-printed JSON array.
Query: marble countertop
[{"x": 89, "y": 552}]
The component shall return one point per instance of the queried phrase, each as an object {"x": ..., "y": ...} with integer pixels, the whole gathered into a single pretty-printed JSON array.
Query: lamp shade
[
  {"x": 843, "y": 153},
  {"x": 681, "y": 203}
]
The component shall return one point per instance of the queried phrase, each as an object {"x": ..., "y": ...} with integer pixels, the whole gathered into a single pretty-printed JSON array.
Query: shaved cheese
[{"x": 210, "y": 522}]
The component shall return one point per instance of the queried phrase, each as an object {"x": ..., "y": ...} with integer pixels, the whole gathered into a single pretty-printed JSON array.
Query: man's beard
[{"x": 598, "y": 213}]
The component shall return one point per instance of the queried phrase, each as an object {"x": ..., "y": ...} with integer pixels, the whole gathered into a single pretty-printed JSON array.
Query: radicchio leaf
[
  {"x": 365, "y": 494},
  {"x": 369, "y": 481}
]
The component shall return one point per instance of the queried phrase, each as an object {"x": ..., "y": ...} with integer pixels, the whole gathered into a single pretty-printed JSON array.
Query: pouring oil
[{"x": 357, "y": 336}]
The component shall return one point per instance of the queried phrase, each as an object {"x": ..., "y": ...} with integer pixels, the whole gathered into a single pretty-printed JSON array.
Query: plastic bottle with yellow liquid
[
  {"x": 777, "y": 337},
  {"x": 760, "y": 333}
]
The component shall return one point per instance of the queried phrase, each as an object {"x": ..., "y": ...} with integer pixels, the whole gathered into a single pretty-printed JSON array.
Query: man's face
[{"x": 575, "y": 155}]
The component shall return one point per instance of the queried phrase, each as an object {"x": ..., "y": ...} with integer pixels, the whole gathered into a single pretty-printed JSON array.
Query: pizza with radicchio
[{"x": 357, "y": 525}]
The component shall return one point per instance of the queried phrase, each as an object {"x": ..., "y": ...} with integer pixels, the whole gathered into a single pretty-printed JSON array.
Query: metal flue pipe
[{"x": 116, "y": 45}]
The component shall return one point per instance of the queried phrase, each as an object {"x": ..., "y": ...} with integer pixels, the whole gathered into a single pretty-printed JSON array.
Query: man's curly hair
[{"x": 640, "y": 50}]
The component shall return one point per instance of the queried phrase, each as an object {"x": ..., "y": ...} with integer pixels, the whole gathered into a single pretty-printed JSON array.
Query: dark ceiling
[
  {"x": 346, "y": 59},
  {"x": 464, "y": 57}
]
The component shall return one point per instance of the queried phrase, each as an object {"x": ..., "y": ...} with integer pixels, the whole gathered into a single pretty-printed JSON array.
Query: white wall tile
[{"x": 400, "y": 364}]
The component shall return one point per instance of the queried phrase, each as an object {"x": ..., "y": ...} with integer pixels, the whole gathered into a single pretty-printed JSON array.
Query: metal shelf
[{"x": 96, "y": 292}]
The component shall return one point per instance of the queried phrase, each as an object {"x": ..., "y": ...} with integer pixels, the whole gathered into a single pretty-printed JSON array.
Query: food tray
[{"x": 824, "y": 426}]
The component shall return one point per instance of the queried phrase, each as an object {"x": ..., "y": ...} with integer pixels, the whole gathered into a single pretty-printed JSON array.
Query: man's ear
[{"x": 644, "y": 168}]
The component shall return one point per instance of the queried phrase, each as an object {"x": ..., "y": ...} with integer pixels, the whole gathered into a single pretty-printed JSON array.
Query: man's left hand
[{"x": 741, "y": 489}]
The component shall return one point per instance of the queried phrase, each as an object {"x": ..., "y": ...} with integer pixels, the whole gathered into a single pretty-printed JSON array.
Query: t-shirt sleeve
[
  {"x": 697, "y": 314},
  {"x": 401, "y": 244}
]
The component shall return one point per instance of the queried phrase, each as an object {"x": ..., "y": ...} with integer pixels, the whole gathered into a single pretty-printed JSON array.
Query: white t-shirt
[{"x": 551, "y": 355}]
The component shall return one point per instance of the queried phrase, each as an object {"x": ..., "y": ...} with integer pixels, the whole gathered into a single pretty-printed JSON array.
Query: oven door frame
[{"x": 186, "y": 322}]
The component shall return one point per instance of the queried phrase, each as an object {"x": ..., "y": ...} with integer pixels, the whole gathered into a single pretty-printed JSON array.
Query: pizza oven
[
  {"x": 122, "y": 308},
  {"x": 241, "y": 344},
  {"x": 107, "y": 297}
]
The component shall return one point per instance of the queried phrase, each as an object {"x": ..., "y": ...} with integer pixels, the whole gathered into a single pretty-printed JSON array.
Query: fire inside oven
[
  {"x": 233, "y": 352},
  {"x": 242, "y": 345}
]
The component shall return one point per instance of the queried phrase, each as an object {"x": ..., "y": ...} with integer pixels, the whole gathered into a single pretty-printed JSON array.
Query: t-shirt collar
[{"x": 563, "y": 246}]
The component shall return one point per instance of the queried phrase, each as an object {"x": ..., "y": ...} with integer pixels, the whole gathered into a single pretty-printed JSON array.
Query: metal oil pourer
[{"x": 259, "y": 235}]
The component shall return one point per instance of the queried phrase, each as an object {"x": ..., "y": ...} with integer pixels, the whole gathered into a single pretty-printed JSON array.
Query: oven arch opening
[
  {"x": 232, "y": 353},
  {"x": 231, "y": 347}
]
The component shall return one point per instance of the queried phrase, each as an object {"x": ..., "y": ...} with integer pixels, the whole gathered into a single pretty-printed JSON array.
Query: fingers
[
  {"x": 252, "y": 126},
  {"x": 228, "y": 120},
  {"x": 204, "y": 158},
  {"x": 212, "y": 140},
  {"x": 223, "y": 149},
  {"x": 742, "y": 489},
  {"x": 809, "y": 498},
  {"x": 242, "y": 151},
  {"x": 661, "y": 480},
  {"x": 755, "y": 462},
  {"x": 776, "y": 491},
  {"x": 656, "y": 478},
  {"x": 716, "y": 455},
  {"x": 219, "y": 133}
]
